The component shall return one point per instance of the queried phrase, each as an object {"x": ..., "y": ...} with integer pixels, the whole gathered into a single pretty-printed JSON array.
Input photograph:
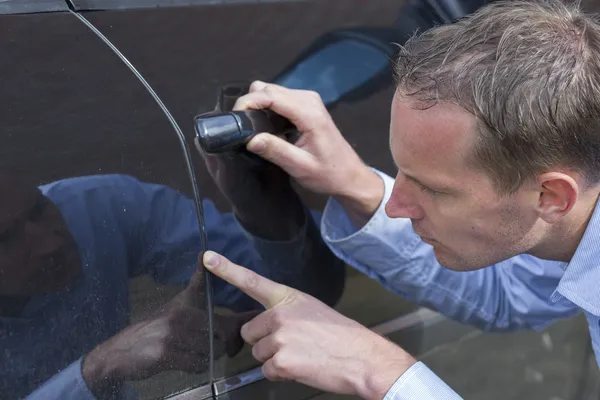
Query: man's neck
[{"x": 568, "y": 233}]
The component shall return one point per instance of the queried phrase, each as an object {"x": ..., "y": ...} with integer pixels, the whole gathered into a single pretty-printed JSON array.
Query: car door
[
  {"x": 188, "y": 52},
  {"x": 206, "y": 46},
  {"x": 73, "y": 108},
  {"x": 118, "y": 227}
]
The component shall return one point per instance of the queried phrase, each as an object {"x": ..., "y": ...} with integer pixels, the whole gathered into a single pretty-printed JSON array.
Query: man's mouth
[{"x": 427, "y": 239}]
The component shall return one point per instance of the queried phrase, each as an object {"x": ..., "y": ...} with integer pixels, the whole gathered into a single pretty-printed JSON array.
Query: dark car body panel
[{"x": 70, "y": 107}]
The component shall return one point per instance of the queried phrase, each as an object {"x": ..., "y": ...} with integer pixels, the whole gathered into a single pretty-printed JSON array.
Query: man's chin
[{"x": 453, "y": 263}]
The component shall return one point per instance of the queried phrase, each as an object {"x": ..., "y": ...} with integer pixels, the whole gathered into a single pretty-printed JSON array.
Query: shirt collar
[{"x": 581, "y": 280}]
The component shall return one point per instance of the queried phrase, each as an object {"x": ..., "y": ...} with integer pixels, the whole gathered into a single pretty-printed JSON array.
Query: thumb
[{"x": 291, "y": 158}]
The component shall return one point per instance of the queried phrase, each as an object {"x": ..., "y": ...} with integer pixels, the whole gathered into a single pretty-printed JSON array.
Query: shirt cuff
[
  {"x": 380, "y": 248},
  {"x": 337, "y": 226},
  {"x": 66, "y": 385},
  {"x": 419, "y": 382}
]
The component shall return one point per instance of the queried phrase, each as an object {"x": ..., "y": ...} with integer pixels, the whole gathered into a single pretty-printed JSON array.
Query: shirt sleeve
[
  {"x": 510, "y": 295},
  {"x": 66, "y": 385},
  {"x": 419, "y": 382}
]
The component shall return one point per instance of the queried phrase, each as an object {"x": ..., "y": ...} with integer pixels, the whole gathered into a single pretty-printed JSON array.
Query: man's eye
[{"x": 430, "y": 192}]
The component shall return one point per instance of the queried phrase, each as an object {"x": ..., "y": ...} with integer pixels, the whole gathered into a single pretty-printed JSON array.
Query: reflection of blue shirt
[
  {"x": 124, "y": 228},
  {"x": 521, "y": 292}
]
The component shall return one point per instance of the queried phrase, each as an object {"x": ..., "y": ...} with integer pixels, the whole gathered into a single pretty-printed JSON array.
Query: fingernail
[
  {"x": 257, "y": 146},
  {"x": 211, "y": 259}
]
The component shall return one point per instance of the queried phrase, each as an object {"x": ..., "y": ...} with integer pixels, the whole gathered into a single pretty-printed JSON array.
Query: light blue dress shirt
[
  {"x": 124, "y": 228},
  {"x": 521, "y": 292}
]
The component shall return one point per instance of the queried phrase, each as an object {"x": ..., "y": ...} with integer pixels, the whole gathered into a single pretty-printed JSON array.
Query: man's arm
[{"x": 510, "y": 295}]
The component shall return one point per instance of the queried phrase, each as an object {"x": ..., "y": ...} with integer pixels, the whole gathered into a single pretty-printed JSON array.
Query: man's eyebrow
[
  {"x": 436, "y": 188},
  {"x": 414, "y": 179},
  {"x": 420, "y": 182}
]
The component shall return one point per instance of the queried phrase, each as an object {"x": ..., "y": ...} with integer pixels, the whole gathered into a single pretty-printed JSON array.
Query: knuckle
[
  {"x": 246, "y": 334},
  {"x": 280, "y": 365},
  {"x": 170, "y": 319},
  {"x": 256, "y": 353},
  {"x": 242, "y": 103},
  {"x": 279, "y": 340},
  {"x": 313, "y": 95},
  {"x": 278, "y": 318},
  {"x": 307, "y": 173},
  {"x": 160, "y": 352},
  {"x": 244, "y": 331},
  {"x": 255, "y": 85},
  {"x": 165, "y": 337},
  {"x": 270, "y": 89},
  {"x": 175, "y": 316},
  {"x": 269, "y": 372}
]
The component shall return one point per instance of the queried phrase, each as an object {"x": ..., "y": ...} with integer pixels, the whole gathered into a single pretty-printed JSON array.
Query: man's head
[
  {"x": 38, "y": 254},
  {"x": 500, "y": 114}
]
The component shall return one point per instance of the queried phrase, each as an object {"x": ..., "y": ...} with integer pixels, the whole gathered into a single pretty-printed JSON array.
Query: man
[
  {"x": 67, "y": 252},
  {"x": 495, "y": 132}
]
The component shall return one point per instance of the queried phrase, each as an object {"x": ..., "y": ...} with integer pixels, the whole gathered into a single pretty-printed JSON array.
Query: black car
[{"x": 101, "y": 96}]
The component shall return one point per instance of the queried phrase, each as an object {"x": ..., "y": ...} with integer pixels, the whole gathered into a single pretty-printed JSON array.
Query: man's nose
[{"x": 402, "y": 204}]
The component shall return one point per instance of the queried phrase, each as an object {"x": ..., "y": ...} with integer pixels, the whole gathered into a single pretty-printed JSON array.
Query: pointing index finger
[{"x": 263, "y": 290}]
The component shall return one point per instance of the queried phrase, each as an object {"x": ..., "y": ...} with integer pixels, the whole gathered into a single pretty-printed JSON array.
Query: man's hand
[
  {"x": 175, "y": 339},
  {"x": 261, "y": 196},
  {"x": 321, "y": 160},
  {"x": 299, "y": 338}
]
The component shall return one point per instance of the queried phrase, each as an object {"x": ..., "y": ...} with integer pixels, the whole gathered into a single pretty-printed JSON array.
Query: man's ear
[{"x": 558, "y": 193}]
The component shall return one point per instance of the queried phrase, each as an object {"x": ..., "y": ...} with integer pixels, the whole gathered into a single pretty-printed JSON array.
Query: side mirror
[{"x": 344, "y": 65}]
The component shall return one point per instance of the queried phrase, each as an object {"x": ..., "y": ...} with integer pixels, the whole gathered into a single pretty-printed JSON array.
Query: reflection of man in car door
[{"x": 67, "y": 252}]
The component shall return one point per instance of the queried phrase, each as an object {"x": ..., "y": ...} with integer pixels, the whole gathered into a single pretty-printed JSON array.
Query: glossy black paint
[{"x": 72, "y": 108}]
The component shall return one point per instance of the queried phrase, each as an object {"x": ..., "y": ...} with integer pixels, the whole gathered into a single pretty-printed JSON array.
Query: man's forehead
[{"x": 438, "y": 138}]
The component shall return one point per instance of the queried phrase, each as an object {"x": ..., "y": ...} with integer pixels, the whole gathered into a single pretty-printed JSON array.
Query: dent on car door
[
  {"x": 188, "y": 53},
  {"x": 98, "y": 231}
]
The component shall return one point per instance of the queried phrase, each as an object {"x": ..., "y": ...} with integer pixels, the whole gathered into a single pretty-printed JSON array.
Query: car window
[{"x": 99, "y": 238}]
